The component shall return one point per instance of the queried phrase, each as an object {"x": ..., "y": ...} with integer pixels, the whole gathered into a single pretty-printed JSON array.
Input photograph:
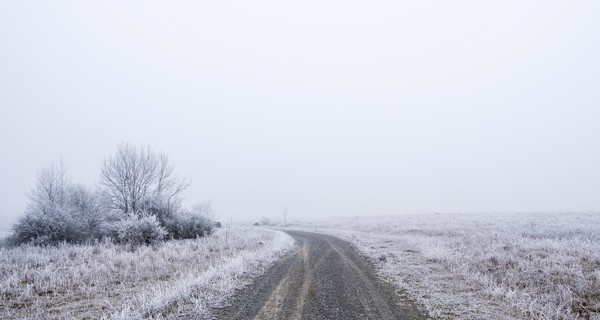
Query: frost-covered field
[
  {"x": 167, "y": 280},
  {"x": 493, "y": 266}
]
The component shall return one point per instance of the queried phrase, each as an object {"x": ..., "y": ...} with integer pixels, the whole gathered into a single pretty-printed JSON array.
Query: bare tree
[
  {"x": 86, "y": 209},
  {"x": 135, "y": 180},
  {"x": 50, "y": 188}
]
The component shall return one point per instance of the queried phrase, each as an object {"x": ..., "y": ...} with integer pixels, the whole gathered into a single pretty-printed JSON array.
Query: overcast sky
[{"x": 327, "y": 108}]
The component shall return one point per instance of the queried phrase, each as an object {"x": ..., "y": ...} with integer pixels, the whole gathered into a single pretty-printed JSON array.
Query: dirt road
[{"x": 325, "y": 278}]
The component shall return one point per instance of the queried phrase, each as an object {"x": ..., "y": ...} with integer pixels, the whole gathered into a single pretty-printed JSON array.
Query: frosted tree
[
  {"x": 139, "y": 180},
  {"x": 86, "y": 208},
  {"x": 58, "y": 211},
  {"x": 50, "y": 188}
]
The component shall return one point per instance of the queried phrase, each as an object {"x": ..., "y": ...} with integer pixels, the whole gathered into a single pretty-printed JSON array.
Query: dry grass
[
  {"x": 105, "y": 280},
  {"x": 500, "y": 266}
]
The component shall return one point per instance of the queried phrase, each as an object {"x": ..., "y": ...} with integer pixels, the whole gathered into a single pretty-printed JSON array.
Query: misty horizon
[{"x": 325, "y": 109}]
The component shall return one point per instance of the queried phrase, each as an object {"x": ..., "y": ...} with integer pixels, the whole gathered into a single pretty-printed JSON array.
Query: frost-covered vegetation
[
  {"x": 173, "y": 279},
  {"x": 492, "y": 266},
  {"x": 137, "y": 201},
  {"x": 3, "y": 236},
  {"x": 94, "y": 253}
]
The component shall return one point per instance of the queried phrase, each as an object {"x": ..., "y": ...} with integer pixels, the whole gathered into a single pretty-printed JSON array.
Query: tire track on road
[{"x": 325, "y": 278}]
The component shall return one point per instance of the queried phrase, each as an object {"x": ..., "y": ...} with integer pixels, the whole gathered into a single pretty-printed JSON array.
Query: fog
[{"x": 326, "y": 108}]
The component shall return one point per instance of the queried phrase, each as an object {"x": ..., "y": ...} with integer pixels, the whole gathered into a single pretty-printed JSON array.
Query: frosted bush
[
  {"x": 52, "y": 226},
  {"x": 139, "y": 229},
  {"x": 60, "y": 211},
  {"x": 187, "y": 225}
]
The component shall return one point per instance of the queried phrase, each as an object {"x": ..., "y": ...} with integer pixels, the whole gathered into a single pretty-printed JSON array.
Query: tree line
[{"x": 137, "y": 200}]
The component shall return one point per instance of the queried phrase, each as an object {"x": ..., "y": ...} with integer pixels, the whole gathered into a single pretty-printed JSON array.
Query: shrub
[
  {"x": 160, "y": 209},
  {"x": 204, "y": 209},
  {"x": 264, "y": 221},
  {"x": 51, "y": 226},
  {"x": 137, "y": 201},
  {"x": 187, "y": 225},
  {"x": 3, "y": 242},
  {"x": 139, "y": 229},
  {"x": 59, "y": 211}
]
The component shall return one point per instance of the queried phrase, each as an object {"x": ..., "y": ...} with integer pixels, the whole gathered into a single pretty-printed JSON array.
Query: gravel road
[{"x": 325, "y": 278}]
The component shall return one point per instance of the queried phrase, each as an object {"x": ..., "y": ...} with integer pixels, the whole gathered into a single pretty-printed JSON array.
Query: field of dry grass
[
  {"x": 492, "y": 266},
  {"x": 166, "y": 280}
]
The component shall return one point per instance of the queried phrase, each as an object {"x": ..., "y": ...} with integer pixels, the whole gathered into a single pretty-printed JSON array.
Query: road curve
[{"x": 325, "y": 278}]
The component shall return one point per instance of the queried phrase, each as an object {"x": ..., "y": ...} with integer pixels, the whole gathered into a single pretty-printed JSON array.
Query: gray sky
[{"x": 328, "y": 108}]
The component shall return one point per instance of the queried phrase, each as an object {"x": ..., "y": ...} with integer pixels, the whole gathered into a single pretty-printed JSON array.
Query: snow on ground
[
  {"x": 492, "y": 266},
  {"x": 104, "y": 280}
]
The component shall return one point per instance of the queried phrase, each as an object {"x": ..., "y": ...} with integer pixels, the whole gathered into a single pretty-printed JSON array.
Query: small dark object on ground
[{"x": 217, "y": 224}]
